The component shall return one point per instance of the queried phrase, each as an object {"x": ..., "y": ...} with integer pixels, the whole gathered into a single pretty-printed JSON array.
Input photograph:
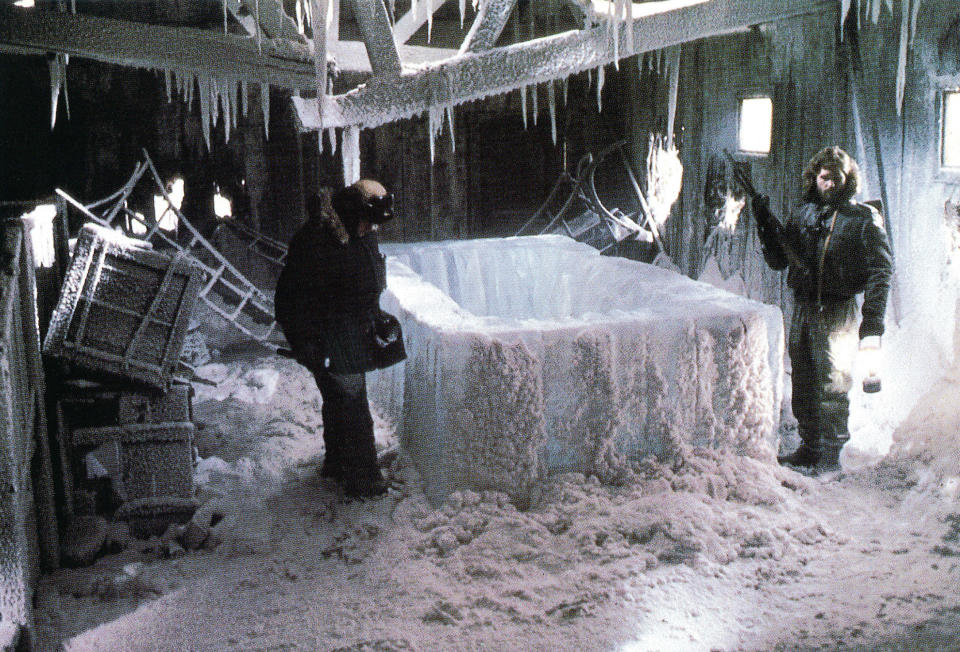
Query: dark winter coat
[
  {"x": 327, "y": 297},
  {"x": 854, "y": 258}
]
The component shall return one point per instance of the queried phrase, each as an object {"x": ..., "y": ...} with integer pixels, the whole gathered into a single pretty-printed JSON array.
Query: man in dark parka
[
  {"x": 328, "y": 303},
  {"x": 839, "y": 250}
]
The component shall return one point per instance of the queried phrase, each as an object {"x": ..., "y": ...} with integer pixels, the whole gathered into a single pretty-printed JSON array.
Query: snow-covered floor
[{"x": 709, "y": 552}]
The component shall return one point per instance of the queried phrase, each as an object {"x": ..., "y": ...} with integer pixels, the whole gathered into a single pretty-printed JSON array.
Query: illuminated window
[
  {"x": 756, "y": 125},
  {"x": 40, "y": 221},
  {"x": 950, "y": 138},
  {"x": 163, "y": 210},
  {"x": 222, "y": 207},
  {"x": 26, "y": 4}
]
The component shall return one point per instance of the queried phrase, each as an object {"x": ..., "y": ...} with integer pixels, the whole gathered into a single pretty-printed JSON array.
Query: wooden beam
[
  {"x": 474, "y": 76},
  {"x": 202, "y": 52},
  {"x": 413, "y": 20},
  {"x": 486, "y": 28},
  {"x": 374, "y": 25}
]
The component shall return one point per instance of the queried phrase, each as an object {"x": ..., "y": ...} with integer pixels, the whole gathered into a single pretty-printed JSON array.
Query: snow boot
[
  {"x": 804, "y": 456},
  {"x": 363, "y": 483}
]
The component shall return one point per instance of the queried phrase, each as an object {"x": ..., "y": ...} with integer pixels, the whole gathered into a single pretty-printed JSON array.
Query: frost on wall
[{"x": 498, "y": 428}]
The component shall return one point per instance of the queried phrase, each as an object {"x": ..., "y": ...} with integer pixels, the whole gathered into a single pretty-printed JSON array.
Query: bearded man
[{"x": 835, "y": 248}]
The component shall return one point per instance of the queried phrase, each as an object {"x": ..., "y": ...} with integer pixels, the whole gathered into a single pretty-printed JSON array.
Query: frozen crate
[
  {"x": 124, "y": 309},
  {"x": 147, "y": 517},
  {"x": 142, "y": 460}
]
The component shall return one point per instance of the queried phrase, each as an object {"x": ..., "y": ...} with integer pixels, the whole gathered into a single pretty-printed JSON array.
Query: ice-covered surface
[
  {"x": 711, "y": 552},
  {"x": 534, "y": 355}
]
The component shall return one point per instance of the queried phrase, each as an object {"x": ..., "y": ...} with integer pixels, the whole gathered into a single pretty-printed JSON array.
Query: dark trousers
[
  {"x": 823, "y": 345},
  {"x": 347, "y": 424}
]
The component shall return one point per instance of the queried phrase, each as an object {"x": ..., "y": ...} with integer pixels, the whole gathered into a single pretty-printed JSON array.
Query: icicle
[
  {"x": 566, "y": 88},
  {"x": 552, "y": 104},
  {"x": 463, "y": 9},
  {"x": 629, "y": 5},
  {"x": 902, "y": 55},
  {"x": 204, "y": 83},
  {"x": 429, "y": 20},
  {"x": 265, "y": 108},
  {"x": 214, "y": 103},
  {"x": 225, "y": 101},
  {"x": 536, "y": 104},
  {"x": 523, "y": 105},
  {"x": 332, "y": 139},
  {"x": 844, "y": 10},
  {"x": 224, "y": 4},
  {"x": 453, "y": 138},
  {"x": 243, "y": 96},
  {"x": 257, "y": 21},
  {"x": 55, "y": 79},
  {"x": 673, "y": 67},
  {"x": 434, "y": 125},
  {"x": 589, "y": 78},
  {"x": 600, "y": 79},
  {"x": 350, "y": 153},
  {"x": 63, "y": 76},
  {"x": 875, "y": 12},
  {"x": 167, "y": 83}
]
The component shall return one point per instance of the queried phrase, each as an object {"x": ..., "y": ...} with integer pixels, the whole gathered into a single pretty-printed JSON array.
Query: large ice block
[{"x": 534, "y": 355}]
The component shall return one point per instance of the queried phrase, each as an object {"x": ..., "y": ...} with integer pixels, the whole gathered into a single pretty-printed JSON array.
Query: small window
[
  {"x": 950, "y": 138},
  {"x": 756, "y": 125}
]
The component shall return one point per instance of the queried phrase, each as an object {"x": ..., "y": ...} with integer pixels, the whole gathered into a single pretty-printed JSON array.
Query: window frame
[{"x": 946, "y": 172}]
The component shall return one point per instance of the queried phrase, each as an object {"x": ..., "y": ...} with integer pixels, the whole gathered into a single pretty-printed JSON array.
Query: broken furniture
[
  {"x": 536, "y": 355},
  {"x": 124, "y": 415},
  {"x": 573, "y": 208}
]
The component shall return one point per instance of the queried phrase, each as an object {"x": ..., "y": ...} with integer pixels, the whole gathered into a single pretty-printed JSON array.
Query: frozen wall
[{"x": 528, "y": 356}]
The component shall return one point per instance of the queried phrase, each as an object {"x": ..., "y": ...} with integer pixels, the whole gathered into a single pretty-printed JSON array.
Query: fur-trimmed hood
[
  {"x": 320, "y": 208},
  {"x": 832, "y": 158}
]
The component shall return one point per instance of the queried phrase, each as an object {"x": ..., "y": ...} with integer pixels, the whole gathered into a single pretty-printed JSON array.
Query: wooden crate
[
  {"x": 152, "y": 459},
  {"x": 124, "y": 309}
]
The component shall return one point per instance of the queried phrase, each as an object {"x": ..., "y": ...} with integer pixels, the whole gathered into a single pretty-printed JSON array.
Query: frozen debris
[
  {"x": 84, "y": 540},
  {"x": 664, "y": 177}
]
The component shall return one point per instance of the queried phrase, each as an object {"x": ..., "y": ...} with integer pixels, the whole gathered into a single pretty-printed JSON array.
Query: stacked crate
[{"x": 124, "y": 411}]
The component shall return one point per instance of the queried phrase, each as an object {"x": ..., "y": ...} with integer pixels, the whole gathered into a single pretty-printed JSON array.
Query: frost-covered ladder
[{"x": 227, "y": 292}]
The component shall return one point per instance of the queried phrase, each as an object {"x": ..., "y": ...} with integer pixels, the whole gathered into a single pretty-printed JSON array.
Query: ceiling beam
[
  {"x": 410, "y": 22},
  {"x": 489, "y": 23},
  {"x": 474, "y": 76},
  {"x": 201, "y": 52},
  {"x": 374, "y": 25}
]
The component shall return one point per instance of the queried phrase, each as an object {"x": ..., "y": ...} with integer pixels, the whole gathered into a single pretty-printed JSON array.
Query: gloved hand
[
  {"x": 387, "y": 327},
  {"x": 868, "y": 358}
]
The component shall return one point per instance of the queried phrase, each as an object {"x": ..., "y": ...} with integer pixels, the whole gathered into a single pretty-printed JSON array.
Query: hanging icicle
[
  {"x": 453, "y": 139},
  {"x": 429, "y": 19},
  {"x": 64, "y": 58},
  {"x": 225, "y": 102},
  {"x": 552, "y": 104},
  {"x": 53, "y": 63},
  {"x": 350, "y": 153},
  {"x": 223, "y": 3},
  {"x": 600, "y": 80},
  {"x": 844, "y": 10},
  {"x": 566, "y": 89},
  {"x": 332, "y": 140},
  {"x": 257, "y": 25},
  {"x": 434, "y": 125},
  {"x": 902, "y": 54},
  {"x": 673, "y": 70},
  {"x": 205, "y": 116},
  {"x": 235, "y": 101},
  {"x": 168, "y": 85},
  {"x": 523, "y": 105},
  {"x": 535, "y": 103},
  {"x": 463, "y": 10},
  {"x": 265, "y": 108},
  {"x": 913, "y": 19}
]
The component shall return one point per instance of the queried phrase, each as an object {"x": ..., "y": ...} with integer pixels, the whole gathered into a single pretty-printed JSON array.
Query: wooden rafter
[
  {"x": 486, "y": 28},
  {"x": 413, "y": 20},
  {"x": 476, "y": 75}
]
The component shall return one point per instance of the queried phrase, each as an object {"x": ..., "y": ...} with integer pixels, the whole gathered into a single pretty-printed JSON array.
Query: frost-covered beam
[
  {"x": 374, "y": 25},
  {"x": 203, "y": 52},
  {"x": 420, "y": 12},
  {"x": 273, "y": 20},
  {"x": 489, "y": 22},
  {"x": 473, "y": 76}
]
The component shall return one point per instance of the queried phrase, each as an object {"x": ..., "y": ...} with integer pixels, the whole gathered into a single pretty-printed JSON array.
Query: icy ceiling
[{"x": 260, "y": 44}]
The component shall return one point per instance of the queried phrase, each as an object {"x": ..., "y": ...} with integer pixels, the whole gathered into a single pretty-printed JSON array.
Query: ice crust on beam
[
  {"x": 535, "y": 355},
  {"x": 475, "y": 76}
]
